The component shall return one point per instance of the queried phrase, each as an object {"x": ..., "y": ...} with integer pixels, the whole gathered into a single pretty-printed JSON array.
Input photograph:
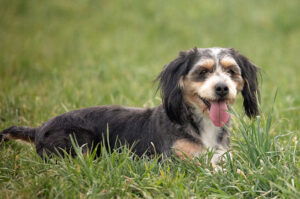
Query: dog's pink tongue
[{"x": 218, "y": 113}]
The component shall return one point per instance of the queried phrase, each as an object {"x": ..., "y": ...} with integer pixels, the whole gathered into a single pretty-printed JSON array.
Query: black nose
[{"x": 221, "y": 90}]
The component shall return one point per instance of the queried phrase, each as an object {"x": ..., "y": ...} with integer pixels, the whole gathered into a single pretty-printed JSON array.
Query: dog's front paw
[{"x": 220, "y": 156}]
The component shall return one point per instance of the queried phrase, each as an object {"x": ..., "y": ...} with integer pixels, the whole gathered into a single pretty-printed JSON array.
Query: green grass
[{"x": 61, "y": 55}]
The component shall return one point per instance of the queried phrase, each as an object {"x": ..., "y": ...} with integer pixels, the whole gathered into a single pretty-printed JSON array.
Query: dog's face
[
  {"x": 208, "y": 79},
  {"x": 214, "y": 76}
]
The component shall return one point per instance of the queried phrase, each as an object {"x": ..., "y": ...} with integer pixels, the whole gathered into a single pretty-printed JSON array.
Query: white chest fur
[
  {"x": 209, "y": 132},
  {"x": 209, "y": 135},
  {"x": 209, "y": 140}
]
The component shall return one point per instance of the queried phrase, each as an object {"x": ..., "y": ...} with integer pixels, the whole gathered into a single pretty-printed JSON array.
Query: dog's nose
[{"x": 221, "y": 90}]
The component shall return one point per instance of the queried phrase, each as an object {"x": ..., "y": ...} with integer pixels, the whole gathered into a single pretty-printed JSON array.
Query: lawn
[{"x": 61, "y": 55}]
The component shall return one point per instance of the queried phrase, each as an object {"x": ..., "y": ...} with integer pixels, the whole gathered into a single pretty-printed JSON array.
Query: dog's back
[{"x": 110, "y": 125}]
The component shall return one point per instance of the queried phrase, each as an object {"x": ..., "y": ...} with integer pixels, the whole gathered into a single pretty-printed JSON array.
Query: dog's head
[{"x": 208, "y": 79}]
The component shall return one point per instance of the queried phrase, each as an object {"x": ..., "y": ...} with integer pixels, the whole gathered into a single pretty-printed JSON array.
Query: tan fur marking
[
  {"x": 190, "y": 94},
  {"x": 184, "y": 148},
  {"x": 11, "y": 137},
  {"x": 8, "y": 136},
  {"x": 207, "y": 63},
  {"x": 227, "y": 62},
  {"x": 240, "y": 84}
]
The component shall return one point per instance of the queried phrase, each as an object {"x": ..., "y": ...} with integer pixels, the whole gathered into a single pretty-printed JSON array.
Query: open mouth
[
  {"x": 218, "y": 111},
  {"x": 206, "y": 102}
]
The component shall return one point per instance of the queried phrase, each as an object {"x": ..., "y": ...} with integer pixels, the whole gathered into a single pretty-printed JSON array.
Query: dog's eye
[
  {"x": 203, "y": 72},
  {"x": 231, "y": 72}
]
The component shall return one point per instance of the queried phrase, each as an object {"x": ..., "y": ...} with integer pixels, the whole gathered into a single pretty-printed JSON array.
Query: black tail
[{"x": 18, "y": 132}]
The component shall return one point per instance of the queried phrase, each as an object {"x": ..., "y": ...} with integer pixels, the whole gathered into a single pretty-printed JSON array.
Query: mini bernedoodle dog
[{"x": 197, "y": 89}]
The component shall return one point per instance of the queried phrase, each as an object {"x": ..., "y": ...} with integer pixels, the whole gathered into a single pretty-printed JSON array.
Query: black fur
[
  {"x": 143, "y": 128},
  {"x": 19, "y": 132},
  {"x": 171, "y": 92},
  {"x": 250, "y": 91},
  {"x": 149, "y": 131}
]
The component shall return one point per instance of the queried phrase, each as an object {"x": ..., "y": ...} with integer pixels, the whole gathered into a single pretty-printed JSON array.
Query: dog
[{"x": 197, "y": 89}]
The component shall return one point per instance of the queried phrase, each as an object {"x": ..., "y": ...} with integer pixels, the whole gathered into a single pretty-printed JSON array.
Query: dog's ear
[
  {"x": 169, "y": 83},
  {"x": 250, "y": 90}
]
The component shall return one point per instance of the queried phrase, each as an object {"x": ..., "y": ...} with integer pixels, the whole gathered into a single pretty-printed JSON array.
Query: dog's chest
[
  {"x": 209, "y": 134},
  {"x": 207, "y": 139}
]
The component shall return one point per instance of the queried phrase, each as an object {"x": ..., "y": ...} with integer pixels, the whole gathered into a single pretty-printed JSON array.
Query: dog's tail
[{"x": 18, "y": 132}]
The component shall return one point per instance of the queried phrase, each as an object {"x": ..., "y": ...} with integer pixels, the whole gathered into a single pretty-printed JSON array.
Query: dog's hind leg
[
  {"x": 18, "y": 132},
  {"x": 62, "y": 141}
]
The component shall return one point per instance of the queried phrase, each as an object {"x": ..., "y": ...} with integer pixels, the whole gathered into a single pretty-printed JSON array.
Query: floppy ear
[
  {"x": 169, "y": 83},
  {"x": 250, "y": 90}
]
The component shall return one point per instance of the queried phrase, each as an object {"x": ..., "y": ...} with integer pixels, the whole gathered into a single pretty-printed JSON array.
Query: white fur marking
[
  {"x": 207, "y": 90},
  {"x": 209, "y": 138},
  {"x": 216, "y": 50},
  {"x": 210, "y": 133}
]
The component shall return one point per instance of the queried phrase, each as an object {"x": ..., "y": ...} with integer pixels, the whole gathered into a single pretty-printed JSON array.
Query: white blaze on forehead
[{"x": 216, "y": 51}]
